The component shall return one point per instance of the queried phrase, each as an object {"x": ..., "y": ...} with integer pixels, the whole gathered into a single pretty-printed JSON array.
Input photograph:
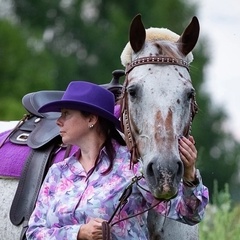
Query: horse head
[{"x": 158, "y": 101}]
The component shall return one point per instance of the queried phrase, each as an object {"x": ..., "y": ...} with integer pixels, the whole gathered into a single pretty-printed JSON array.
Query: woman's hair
[{"x": 109, "y": 130}]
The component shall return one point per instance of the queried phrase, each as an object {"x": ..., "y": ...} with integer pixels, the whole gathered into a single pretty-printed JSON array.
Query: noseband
[{"x": 126, "y": 125}]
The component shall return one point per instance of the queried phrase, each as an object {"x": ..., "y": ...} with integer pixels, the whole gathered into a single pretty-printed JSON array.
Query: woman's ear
[{"x": 92, "y": 119}]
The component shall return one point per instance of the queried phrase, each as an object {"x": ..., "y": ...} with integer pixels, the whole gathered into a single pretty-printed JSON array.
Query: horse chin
[
  {"x": 162, "y": 176},
  {"x": 164, "y": 195}
]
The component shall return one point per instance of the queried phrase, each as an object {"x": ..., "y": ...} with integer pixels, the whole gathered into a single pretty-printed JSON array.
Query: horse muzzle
[{"x": 163, "y": 177}]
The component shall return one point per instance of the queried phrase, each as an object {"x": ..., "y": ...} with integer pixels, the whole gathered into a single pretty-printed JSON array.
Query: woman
[{"x": 82, "y": 192}]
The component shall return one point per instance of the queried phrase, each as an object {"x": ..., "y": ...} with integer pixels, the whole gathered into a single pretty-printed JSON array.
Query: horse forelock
[
  {"x": 160, "y": 35},
  {"x": 154, "y": 34}
]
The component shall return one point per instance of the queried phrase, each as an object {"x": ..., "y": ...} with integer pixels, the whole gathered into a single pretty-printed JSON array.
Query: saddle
[
  {"x": 37, "y": 129},
  {"x": 40, "y": 132}
]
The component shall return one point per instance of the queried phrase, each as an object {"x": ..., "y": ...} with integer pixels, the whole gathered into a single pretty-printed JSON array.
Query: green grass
[{"x": 222, "y": 218}]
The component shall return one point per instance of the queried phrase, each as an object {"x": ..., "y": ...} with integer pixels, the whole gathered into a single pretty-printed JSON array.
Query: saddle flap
[
  {"x": 45, "y": 131},
  {"x": 20, "y": 134}
]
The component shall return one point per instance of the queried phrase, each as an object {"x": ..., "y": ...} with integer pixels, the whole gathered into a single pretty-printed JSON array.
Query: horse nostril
[{"x": 150, "y": 171}]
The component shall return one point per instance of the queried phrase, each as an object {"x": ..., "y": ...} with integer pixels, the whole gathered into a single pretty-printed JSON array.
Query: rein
[
  {"x": 125, "y": 119},
  {"x": 124, "y": 199}
]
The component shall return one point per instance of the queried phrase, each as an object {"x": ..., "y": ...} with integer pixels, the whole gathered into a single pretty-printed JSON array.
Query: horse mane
[{"x": 168, "y": 44}]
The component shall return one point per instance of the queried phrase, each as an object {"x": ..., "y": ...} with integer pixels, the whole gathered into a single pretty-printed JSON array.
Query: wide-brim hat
[{"x": 88, "y": 97}]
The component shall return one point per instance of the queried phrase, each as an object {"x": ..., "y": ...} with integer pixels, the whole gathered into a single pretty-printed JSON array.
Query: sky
[{"x": 220, "y": 25}]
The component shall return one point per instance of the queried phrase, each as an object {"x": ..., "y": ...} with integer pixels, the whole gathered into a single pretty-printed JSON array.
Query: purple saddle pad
[{"x": 13, "y": 157}]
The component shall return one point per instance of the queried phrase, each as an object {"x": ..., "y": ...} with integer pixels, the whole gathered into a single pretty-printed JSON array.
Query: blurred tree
[
  {"x": 91, "y": 34},
  {"x": 219, "y": 152},
  {"x": 24, "y": 68},
  {"x": 83, "y": 39}
]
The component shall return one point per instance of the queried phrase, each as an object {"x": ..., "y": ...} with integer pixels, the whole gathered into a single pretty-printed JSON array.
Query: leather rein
[
  {"x": 125, "y": 119},
  {"x": 124, "y": 199}
]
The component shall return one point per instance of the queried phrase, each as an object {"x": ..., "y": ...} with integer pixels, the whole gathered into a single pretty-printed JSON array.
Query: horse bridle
[
  {"x": 126, "y": 126},
  {"x": 125, "y": 119}
]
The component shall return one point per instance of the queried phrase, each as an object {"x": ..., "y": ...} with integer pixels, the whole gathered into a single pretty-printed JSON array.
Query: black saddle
[
  {"x": 41, "y": 133},
  {"x": 39, "y": 128},
  {"x": 115, "y": 86}
]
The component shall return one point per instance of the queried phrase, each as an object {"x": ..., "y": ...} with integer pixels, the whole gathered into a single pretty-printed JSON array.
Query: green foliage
[
  {"x": 222, "y": 219},
  {"x": 218, "y": 151},
  {"x": 92, "y": 34},
  {"x": 10, "y": 105},
  {"x": 23, "y": 69}
]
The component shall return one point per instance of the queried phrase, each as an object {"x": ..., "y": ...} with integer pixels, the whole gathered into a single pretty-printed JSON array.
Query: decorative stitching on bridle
[
  {"x": 126, "y": 126},
  {"x": 125, "y": 120},
  {"x": 156, "y": 60}
]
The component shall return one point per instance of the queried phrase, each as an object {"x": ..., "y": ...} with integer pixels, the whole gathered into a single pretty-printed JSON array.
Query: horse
[{"x": 157, "y": 106}]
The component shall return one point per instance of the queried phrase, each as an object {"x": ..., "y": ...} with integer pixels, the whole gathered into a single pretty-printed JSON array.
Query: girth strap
[{"x": 29, "y": 185}]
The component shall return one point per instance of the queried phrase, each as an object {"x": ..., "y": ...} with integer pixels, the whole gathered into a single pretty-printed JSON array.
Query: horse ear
[
  {"x": 137, "y": 33},
  {"x": 189, "y": 37}
]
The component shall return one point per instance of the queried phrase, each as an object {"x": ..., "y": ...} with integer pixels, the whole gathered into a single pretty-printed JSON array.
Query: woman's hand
[
  {"x": 92, "y": 230},
  {"x": 188, "y": 154}
]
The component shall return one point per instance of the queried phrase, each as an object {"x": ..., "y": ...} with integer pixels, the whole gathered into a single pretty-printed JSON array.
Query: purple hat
[{"x": 88, "y": 97}]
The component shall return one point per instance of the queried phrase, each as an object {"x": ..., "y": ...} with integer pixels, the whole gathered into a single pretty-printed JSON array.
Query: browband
[{"x": 156, "y": 60}]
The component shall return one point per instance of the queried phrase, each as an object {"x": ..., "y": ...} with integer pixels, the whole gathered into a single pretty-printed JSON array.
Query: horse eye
[{"x": 132, "y": 91}]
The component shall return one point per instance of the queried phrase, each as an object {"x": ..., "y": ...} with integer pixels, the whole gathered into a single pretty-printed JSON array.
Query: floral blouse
[{"x": 70, "y": 197}]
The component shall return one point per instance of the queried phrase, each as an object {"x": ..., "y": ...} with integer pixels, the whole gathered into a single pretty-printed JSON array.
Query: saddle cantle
[
  {"x": 40, "y": 128},
  {"x": 114, "y": 85}
]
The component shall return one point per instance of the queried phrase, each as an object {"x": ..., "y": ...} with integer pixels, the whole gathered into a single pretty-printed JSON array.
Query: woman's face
[{"x": 73, "y": 126}]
